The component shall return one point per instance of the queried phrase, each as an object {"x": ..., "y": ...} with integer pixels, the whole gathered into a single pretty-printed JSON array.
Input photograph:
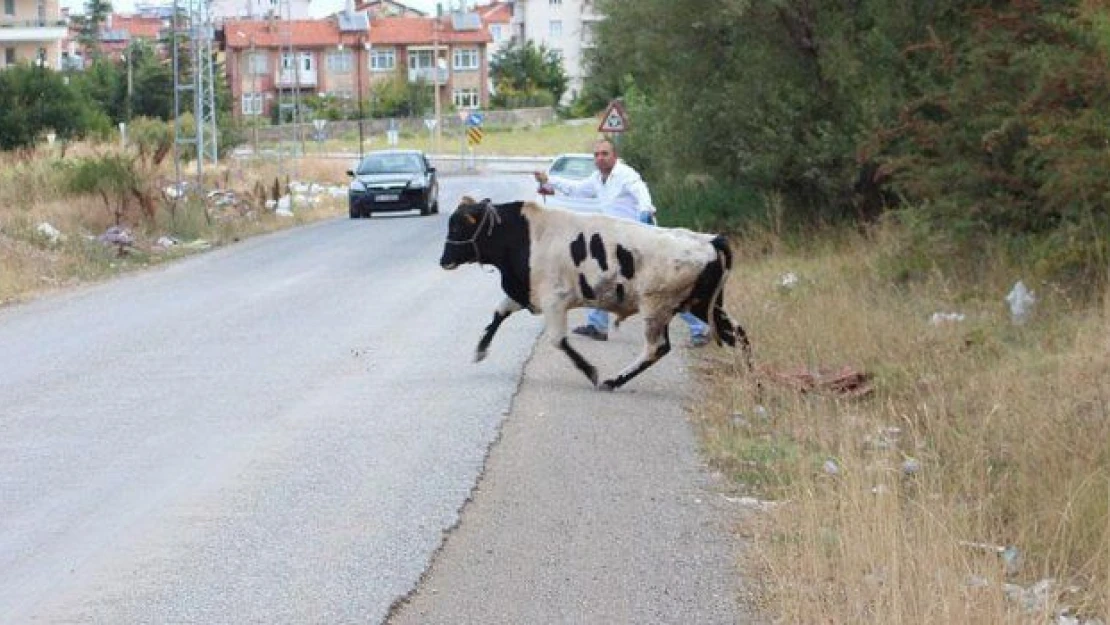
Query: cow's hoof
[
  {"x": 592, "y": 374},
  {"x": 608, "y": 385},
  {"x": 480, "y": 355}
]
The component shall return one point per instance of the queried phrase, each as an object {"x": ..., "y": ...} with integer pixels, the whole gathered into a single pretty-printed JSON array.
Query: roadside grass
[
  {"x": 1009, "y": 427},
  {"x": 32, "y": 192},
  {"x": 543, "y": 140}
]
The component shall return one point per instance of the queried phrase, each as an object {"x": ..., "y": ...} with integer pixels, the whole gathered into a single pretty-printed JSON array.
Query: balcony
[
  {"x": 288, "y": 79},
  {"x": 28, "y": 30},
  {"x": 429, "y": 75}
]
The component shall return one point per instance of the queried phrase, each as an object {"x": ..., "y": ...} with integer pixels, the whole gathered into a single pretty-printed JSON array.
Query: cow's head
[{"x": 471, "y": 222}]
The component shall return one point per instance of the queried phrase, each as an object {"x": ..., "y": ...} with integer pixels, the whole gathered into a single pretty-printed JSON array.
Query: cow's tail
[{"x": 720, "y": 325}]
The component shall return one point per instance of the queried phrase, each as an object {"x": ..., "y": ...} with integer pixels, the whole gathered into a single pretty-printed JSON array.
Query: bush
[
  {"x": 509, "y": 98},
  {"x": 708, "y": 206},
  {"x": 111, "y": 177}
]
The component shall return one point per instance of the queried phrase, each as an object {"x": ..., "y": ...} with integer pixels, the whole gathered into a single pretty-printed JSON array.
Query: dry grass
[
  {"x": 1010, "y": 426},
  {"x": 544, "y": 140},
  {"x": 32, "y": 192}
]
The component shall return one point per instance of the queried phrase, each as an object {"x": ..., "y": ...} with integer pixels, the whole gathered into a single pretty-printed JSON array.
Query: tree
[
  {"x": 982, "y": 117},
  {"x": 35, "y": 100},
  {"x": 88, "y": 25},
  {"x": 524, "y": 70}
]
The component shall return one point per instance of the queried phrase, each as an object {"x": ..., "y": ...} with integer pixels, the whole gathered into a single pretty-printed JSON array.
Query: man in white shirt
[{"x": 623, "y": 194}]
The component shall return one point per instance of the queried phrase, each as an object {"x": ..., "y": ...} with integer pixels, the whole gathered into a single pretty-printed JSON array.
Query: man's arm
[{"x": 582, "y": 188}]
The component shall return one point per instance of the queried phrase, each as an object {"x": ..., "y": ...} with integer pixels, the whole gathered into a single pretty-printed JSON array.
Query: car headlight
[{"x": 358, "y": 186}]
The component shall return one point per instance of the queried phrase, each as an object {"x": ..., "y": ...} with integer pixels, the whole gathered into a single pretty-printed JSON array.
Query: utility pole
[
  {"x": 435, "y": 81},
  {"x": 127, "y": 54},
  {"x": 361, "y": 48},
  {"x": 257, "y": 101}
]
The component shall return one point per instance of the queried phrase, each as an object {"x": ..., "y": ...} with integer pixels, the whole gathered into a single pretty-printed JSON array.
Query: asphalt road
[
  {"x": 275, "y": 432},
  {"x": 286, "y": 430}
]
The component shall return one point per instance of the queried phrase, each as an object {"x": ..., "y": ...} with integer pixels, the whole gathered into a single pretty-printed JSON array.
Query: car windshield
[
  {"x": 391, "y": 164},
  {"x": 573, "y": 167}
]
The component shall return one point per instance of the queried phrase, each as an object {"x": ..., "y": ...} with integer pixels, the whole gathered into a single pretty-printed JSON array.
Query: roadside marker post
[{"x": 474, "y": 132}]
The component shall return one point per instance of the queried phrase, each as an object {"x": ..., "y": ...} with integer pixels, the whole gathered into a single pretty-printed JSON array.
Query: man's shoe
[
  {"x": 592, "y": 332},
  {"x": 699, "y": 340}
]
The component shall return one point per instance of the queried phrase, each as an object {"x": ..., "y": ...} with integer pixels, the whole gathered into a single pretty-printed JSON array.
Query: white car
[{"x": 571, "y": 168}]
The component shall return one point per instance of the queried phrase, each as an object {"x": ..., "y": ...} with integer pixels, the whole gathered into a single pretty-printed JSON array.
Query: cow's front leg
[
  {"x": 657, "y": 342},
  {"x": 555, "y": 318},
  {"x": 507, "y": 307}
]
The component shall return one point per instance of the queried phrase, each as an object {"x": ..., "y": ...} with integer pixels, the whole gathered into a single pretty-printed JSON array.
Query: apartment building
[
  {"x": 497, "y": 17},
  {"x": 343, "y": 56},
  {"x": 565, "y": 26},
  {"x": 31, "y": 31}
]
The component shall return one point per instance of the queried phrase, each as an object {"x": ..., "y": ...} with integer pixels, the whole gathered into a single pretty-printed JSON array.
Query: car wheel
[
  {"x": 354, "y": 212},
  {"x": 425, "y": 210},
  {"x": 435, "y": 208}
]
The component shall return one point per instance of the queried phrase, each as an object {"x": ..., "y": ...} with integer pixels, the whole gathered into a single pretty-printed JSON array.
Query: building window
[
  {"x": 256, "y": 63},
  {"x": 382, "y": 60},
  {"x": 555, "y": 2},
  {"x": 340, "y": 61},
  {"x": 466, "y": 99},
  {"x": 496, "y": 32},
  {"x": 9, "y": 56},
  {"x": 555, "y": 28},
  {"x": 466, "y": 58},
  {"x": 9, "y": 7},
  {"x": 252, "y": 104}
]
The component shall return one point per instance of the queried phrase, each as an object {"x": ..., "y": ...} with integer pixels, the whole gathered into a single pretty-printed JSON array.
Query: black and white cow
[{"x": 553, "y": 260}]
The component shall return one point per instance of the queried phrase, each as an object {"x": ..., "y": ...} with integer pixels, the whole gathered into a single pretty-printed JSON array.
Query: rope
[{"x": 490, "y": 219}]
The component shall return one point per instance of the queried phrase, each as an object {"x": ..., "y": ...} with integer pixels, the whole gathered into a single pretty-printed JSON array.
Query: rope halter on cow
[{"x": 490, "y": 219}]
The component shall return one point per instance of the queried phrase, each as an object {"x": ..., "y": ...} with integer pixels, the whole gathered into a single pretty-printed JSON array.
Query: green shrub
[
  {"x": 707, "y": 206},
  {"x": 111, "y": 177}
]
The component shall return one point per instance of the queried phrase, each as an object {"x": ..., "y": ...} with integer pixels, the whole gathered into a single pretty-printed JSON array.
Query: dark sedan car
[{"x": 393, "y": 180}]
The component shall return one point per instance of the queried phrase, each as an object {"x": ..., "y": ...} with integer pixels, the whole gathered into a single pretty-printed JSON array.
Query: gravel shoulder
[{"x": 593, "y": 507}]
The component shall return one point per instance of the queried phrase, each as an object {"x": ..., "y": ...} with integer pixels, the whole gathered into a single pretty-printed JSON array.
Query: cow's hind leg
[
  {"x": 507, "y": 307},
  {"x": 657, "y": 342},
  {"x": 556, "y": 320},
  {"x": 731, "y": 332}
]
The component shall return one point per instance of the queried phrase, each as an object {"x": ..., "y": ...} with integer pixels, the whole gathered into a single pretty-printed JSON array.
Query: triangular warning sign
[{"x": 614, "y": 119}]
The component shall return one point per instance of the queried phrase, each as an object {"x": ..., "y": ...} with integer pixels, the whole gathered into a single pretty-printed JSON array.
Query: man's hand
[{"x": 541, "y": 177}]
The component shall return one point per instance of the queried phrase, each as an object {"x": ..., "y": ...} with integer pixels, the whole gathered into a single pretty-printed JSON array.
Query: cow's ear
[{"x": 465, "y": 200}]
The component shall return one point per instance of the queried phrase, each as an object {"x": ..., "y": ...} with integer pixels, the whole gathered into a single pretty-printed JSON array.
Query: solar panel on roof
[
  {"x": 353, "y": 21},
  {"x": 466, "y": 21}
]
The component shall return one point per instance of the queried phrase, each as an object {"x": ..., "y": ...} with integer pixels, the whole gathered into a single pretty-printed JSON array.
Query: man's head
[{"x": 605, "y": 156}]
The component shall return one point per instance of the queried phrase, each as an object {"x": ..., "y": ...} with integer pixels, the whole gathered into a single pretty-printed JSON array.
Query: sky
[{"x": 319, "y": 7}]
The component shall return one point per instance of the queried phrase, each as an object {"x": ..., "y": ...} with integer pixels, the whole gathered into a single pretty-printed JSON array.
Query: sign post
[
  {"x": 391, "y": 133},
  {"x": 430, "y": 124},
  {"x": 474, "y": 132}
]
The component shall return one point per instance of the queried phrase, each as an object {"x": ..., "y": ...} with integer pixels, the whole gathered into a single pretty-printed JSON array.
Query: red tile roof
[
  {"x": 415, "y": 30},
  {"x": 325, "y": 32},
  {"x": 277, "y": 33},
  {"x": 138, "y": 27},
  {"x": 495, "y": 12}
]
